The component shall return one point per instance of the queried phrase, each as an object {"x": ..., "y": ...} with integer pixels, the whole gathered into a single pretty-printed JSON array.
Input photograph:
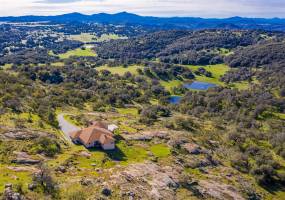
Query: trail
[{"x": 65, "y": 126}]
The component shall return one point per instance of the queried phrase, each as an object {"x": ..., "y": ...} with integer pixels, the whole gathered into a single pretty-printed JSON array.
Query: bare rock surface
[
  {"x": 23, "y": 169},
  {"x": 9, "y": 194},
  {"x": 192, "y": 148},
  {"x": 85, "y": 154},
  {"x": 218, "y": 191},
  {"x": 147, "y": 135},
  {"x": 147, "y": 181},
  {"x": 21, "y": 134},
  {"x": 24, "y": 158}
]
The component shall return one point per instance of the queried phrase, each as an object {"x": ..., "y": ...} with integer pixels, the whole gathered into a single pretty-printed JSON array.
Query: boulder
[
  {"x": 85, "y": 154},
  {"x": 22, "y": 134},
  {"x": 24, "y": 158},
  {"x": 147, "y": 181},
  {"x": 32, "y": 186},
  {"x": 177, "y": 142},
  {"x": 61, "y": 169},
  {"x": 86, "y": 181},
  {"x": 147, "y": 136},
  {"x": 9, "y": 194},
  {"x": 192, "y": 148},
  {"x": 219, "y": 191}
]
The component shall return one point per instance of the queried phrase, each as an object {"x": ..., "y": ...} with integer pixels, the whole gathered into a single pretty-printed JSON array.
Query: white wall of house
[{"x": 112, "y": 127}]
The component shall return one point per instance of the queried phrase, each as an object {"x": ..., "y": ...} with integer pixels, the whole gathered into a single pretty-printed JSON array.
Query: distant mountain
[{"x": 274, "y": 24}]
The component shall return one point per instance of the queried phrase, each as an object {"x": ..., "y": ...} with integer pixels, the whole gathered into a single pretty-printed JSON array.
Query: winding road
[{"x": 65, "y": 126}]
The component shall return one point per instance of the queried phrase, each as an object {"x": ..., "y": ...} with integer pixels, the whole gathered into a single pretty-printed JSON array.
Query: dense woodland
[{"x": 181, "y": 47}]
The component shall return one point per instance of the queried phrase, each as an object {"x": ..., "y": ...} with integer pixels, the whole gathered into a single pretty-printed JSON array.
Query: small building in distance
[{"x": 96, "y": 135}]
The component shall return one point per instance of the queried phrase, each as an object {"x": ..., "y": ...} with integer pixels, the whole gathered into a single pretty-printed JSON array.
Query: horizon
[
  {"x": 156, "y": 8},
  {"x": 97, "y": 13}
]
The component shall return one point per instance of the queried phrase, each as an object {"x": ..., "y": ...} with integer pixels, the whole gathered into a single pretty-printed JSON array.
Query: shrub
[
  {"x": 47, "y": 146},
  {"x": 77, "y": 195},
  {"x": 150, "y": 114},
  {"x": 44, "y": 181},
  {"x": 240, "y": 162}
]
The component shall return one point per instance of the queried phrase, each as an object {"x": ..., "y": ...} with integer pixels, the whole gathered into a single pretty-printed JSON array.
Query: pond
[
  {"x": 175, "y": 99},
  {"x": 196, "y": 85}
]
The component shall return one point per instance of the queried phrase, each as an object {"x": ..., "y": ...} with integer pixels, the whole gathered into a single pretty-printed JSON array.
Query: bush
[
  {"x": 47, "y": 146},
  {"x": 150, "y": 114},
  {"x": 44, "y": 181},
  {"x": 265, "y": 174},
  {"x": 241, "y": 163},
  {"x": 77, "y": 195},
  {"x": 182, "y": 123}
]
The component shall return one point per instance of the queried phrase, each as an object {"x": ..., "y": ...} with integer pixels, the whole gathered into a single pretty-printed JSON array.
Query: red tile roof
[{"x": 94, "y": 133}]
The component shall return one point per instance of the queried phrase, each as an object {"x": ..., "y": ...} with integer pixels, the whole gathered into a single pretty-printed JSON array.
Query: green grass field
[
  {"x": 58, "y": 64},
  {"x": 6, "y": 66},
  {"x": 79, "y": 53},
  {"x": 28, "y": 120},
  {"x": 216, "y": 70},
  {"x": 87, "y": 37},
  {"x": 120, "y": 70},
  {"x": 128, "y": 111},
  {"x": 84, "y": 37},
  {"x": 9, "y": 176},
  {"x": 171, "y": 84},
  {"x": 160, "y": 150},
  {"x": 108, "y": 37}
]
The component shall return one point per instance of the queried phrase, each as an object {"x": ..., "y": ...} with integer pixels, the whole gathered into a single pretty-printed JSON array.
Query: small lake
[
  {"x": 175, "y": 99},
  {"x": 196, "y": 85}
]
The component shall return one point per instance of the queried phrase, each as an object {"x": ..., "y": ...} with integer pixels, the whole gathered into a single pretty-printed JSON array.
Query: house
[
  {"x": 96, "y": 135},
  {"x": 111, "y": 127}
]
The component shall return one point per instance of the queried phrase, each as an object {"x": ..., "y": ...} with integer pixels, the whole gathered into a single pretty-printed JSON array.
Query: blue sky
[{"x": 196, "y": 8}]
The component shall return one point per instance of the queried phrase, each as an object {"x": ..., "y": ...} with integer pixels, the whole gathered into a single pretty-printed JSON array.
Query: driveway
[{"x": 65, "y": 126}]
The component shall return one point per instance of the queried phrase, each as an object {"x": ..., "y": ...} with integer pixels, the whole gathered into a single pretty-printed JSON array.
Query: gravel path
[{"x": 66, "y": 127}]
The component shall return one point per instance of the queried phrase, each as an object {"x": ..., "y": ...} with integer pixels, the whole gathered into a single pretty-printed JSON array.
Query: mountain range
[{"x": 274, "y": 24}]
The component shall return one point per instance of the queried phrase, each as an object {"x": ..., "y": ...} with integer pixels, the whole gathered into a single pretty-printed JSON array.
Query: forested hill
[{"x": 275, "y": 24}]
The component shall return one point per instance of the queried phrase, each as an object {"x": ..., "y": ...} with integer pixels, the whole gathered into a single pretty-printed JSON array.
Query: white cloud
[{"x": 197, "y": 8}]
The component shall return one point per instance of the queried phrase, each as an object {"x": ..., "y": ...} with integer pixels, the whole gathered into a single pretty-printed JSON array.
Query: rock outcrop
[
  {"x": 24, "y": 158},
  {"x": 147, "y": 181},
  {"x": 9, "y": 194}
]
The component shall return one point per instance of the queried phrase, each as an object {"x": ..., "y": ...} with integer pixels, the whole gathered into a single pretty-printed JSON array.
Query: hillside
[
  {"x": 274, "y": 24},
  {"x": 99, "y": 111}
]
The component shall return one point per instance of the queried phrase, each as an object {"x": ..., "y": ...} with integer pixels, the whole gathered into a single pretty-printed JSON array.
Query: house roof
[
  {"x": 99, "y": 124},
  {"x": 92, "y": 134},
  {"x": 105, "y": 139},
  {"x": 75, "y": 134}
]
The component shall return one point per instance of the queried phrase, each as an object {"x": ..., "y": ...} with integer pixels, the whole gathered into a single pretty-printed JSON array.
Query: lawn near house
[{"x": 125, "y": 153}]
